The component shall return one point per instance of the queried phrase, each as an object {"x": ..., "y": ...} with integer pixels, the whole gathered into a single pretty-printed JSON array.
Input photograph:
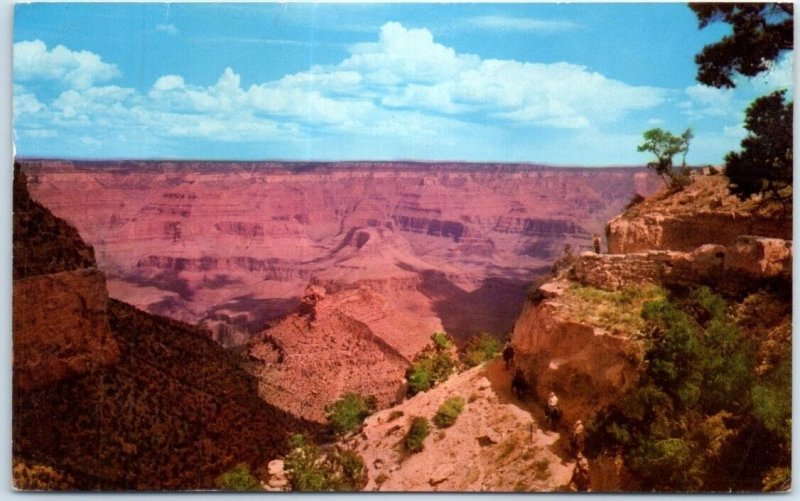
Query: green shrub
[
  {"x": 238, "y": 479},
  {"x": 311, "y": 471},
  {"x": 699, "y": 406},
  {"x": 480, "y": 349},
  {"x": 441, "y": 341},
  {"x": 417, "y": 432},
  {"x": 419, "y": 376},
  {"x": 431, "y": 365},
  {"x": 448, "y": 412},
  {"x": 349, "y": 470},
  {"x": 349, "y": 411}
]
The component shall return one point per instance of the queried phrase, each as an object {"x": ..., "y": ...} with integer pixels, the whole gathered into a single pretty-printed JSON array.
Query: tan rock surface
[
  {"x": 350, "y": 340},
  {"x": 519, "y": 456},
  {"x": 703, "y": 213}
]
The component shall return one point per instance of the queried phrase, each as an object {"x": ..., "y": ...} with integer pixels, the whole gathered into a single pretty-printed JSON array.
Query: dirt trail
[{"x": 496, "y": 443}]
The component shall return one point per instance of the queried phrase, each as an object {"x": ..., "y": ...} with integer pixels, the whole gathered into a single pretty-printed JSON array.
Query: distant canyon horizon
[{"x": 233, "y": 246}]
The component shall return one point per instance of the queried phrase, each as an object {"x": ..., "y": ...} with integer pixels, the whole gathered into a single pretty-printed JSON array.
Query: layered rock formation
[
  {"x": 578, "y": 334},
  {"x": 108, "y": 397},
  {"x": 703, "y": 213},
  {"x": 234, "y": 245}
]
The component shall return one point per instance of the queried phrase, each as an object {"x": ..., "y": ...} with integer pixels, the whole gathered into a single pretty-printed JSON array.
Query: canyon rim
[{"x": 395, "y": 248}]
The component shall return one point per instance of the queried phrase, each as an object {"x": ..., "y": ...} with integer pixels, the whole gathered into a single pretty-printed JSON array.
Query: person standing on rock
[
  {"x": 508, "y": 355},
  {"x": 596, "y": 243},
  {"x": 578, "y": 438}
]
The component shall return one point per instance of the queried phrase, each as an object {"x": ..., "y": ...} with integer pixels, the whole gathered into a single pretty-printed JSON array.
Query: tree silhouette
[
  {"x": 761, "y": 32},
  {"x": 765, "y": 162}
]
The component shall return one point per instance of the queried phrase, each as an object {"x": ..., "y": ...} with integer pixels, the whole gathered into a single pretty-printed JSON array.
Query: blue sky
[{"x": 568, "y": 84}]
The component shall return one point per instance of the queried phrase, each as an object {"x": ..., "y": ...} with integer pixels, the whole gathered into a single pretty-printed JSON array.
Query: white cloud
[
  {"x": 779, "y": 76},
  {"x": 527, "y": 24},
  {"x": 25, "y": 102},
  {"x": 703, "y": 101},
  {"x": 167, "y": 28},
  {"x": 80, "y": 69},
  {"x": 404, "y": 86}
]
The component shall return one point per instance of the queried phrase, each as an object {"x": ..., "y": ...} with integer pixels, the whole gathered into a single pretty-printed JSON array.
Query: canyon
[
  {"x": 107, "y": 396},
  {"x": 232, "y": 246}
]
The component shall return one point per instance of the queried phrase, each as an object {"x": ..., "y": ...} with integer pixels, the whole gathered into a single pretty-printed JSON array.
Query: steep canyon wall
[{"x": 234, "y": 245}]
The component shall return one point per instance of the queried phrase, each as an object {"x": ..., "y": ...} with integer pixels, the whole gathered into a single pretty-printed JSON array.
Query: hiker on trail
[
  {"x": 596, "y": 243},
  {"x": 580, "y": 475},
  {"x": 552, "y": 412},
  {"x": 518, "y": 384},
  {"x": 508, "y": 355},
  {"x": 578, "y": 438}
]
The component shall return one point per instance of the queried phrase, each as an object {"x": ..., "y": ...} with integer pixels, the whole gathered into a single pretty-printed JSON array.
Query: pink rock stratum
[{"x": 234, "y": 245}]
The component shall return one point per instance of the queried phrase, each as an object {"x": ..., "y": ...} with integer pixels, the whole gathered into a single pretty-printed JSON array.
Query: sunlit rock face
[{"x": 234, "y": 245}]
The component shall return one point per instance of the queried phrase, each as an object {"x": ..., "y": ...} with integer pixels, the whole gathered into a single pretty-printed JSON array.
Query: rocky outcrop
[
  {"x": 60, "y": 327},
  {"x": 164, "y": 231},
  {"x": 349, "y": 340},
  {"x": 703, "y": 213},
  {"x": 578, "y": 333},
  {"x": 587, "y": 363},
  {"x": 59, "y": 299}
]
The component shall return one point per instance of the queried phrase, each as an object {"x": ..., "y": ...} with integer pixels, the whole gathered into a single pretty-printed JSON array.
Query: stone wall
[{"x": 746, "y": 263}]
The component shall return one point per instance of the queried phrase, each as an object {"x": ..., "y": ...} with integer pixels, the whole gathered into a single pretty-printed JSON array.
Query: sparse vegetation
[
  {"x": 394, "y": 415},
  {"x": 432, "y": 365},
  {"x": 481, "y": 348},
  {"x": 349, "y": 411},
  {"x": 309, "y": 470},
  {"x": 417, "y": 432},
  {"x": 448, "y": 412},
  {"x": 616, "y": 311},
  {"x": 238, "y": 479}
]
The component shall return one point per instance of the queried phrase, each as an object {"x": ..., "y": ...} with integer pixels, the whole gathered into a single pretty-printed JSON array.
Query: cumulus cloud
[
  {"x": 526, "y": 24},
  {"x": 80, "y": 69},
  {"x": 26, "y": 103},
  {"x": 407, "y": 68},
  {"x": 404, "y": 84}
]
